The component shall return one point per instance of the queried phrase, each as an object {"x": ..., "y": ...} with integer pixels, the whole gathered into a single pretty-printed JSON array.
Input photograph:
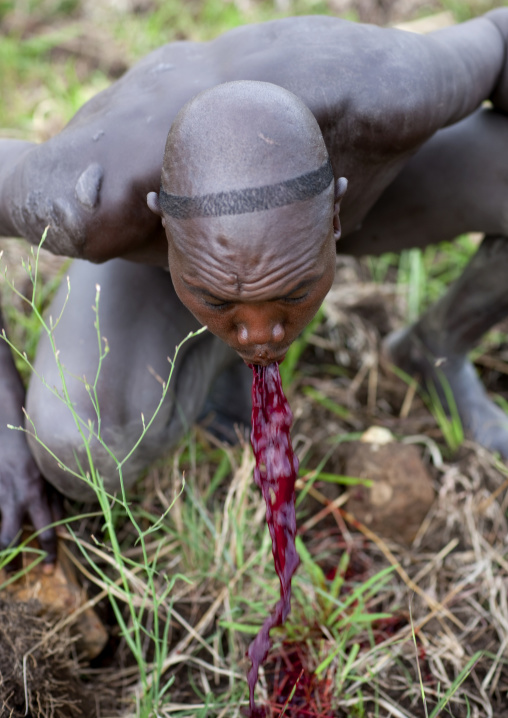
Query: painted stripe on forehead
[{"x": 250, "y": 199}]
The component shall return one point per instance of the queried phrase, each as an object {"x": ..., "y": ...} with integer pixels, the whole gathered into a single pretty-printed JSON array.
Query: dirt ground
[
  {"x": 438, "y": 515},
  {"x": 47, "y": 682}
]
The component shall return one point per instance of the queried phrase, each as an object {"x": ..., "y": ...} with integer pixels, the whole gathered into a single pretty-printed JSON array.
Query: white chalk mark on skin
[{"x": 268, "y": 140}]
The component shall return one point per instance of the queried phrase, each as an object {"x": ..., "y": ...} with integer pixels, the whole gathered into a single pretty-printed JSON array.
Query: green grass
[
  {"x": 215, "y": 542},
  {"x": 165, "y": 564},
  {"x": 153, "y": 597},
  {"x": 422, "y": 277}
]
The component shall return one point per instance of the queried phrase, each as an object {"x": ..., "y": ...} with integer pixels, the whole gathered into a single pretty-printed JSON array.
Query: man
[{"x": 277, "y": 120}]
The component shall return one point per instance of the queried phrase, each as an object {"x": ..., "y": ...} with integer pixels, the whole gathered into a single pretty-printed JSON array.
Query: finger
[
  {"x": 56, "y": 504},
  {"x": 10, "y": 534},
  {"x": 41, "y": 517}
]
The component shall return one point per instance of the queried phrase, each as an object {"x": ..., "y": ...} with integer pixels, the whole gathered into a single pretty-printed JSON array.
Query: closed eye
[
  {"x": 216, "y": 305},
  {"x": 295, "y": 300}
]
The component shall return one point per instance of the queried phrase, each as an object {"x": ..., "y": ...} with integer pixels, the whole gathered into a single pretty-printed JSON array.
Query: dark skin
[
  {"x": 378, "y": 96},
  {"x": 370, "y": 135},
  {"x": 256, "y": 300},
  {"x": 28, "y": 495},
  {"x": 446, "y": 190},
  {"x": 273, "y": 307}
]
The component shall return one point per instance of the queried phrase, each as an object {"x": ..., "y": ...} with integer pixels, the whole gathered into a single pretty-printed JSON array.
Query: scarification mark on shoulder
[{"x": 89, "y": 184}]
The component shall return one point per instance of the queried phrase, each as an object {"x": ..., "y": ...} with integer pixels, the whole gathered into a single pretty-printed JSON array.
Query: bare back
[{"x": 378, "y": 94}]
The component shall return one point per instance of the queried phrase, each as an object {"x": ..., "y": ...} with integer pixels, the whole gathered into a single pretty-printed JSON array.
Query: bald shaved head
[
  {"x": 248, "y": 200},
  {"x": 242, "y": 147}
]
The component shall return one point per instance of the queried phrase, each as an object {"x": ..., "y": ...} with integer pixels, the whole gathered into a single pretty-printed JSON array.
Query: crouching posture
[{"x": 270, "y": 124}]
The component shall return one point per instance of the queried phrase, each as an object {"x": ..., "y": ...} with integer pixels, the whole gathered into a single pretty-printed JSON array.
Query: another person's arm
[
  {"x": 500, "y": 95},
  {"x": 22, "y": 488},
  {"x": 11, "y": 153}
]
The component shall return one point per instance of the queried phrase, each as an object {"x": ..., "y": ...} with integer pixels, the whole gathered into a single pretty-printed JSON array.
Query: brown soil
[
  {"x": 456, "y": 559},
  {"x": 39, "y": 676}
]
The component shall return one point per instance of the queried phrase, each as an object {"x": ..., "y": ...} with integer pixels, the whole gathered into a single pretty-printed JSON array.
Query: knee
[
  {"x": 76, "y": 450},
  {"x": 74, "y": 460},
  {"x": 71, "y": 452}
]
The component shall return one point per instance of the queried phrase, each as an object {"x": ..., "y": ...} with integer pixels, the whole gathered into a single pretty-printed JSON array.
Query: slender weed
[{"x": 137, "y": 586}]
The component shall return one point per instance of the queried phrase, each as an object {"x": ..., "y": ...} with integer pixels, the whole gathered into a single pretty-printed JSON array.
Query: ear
[
  {"x": 152, "y": 200},
  {"x": 340, "y": 191}
]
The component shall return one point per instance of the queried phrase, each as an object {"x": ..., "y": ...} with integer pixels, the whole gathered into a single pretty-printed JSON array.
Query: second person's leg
[
  {"x": 141, "y": 321},
  {"x": 457, "y": 182}
]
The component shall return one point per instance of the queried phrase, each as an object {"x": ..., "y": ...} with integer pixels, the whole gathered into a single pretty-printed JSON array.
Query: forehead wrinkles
[
  {"x": 267, "y": 236},
  {"x": 236, "y": 274},
  {"x": 250, "y": 254}
]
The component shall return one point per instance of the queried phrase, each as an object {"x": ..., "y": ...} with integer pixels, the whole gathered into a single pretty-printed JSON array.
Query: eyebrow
[
  {"x": 249, "y": 199},
  {"x": 201, "y": 290},
  {"x": 303, "y": 284}
]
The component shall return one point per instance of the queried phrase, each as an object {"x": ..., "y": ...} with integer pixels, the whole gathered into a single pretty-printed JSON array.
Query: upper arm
[
  {"x": 409, "y": 86},
  {"x": 475, "y": 56}
]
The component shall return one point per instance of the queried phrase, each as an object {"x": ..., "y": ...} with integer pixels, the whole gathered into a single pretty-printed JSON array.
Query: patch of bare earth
[
  {"x": 452, "y": 572},
  {"x": 450, "y": 581},
  {"x": 448, "y": 549},
  {"x": 39, "y": 673}
]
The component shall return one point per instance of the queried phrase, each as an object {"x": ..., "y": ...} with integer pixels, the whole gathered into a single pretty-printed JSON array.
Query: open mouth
[{"x": 263, "y": 359}]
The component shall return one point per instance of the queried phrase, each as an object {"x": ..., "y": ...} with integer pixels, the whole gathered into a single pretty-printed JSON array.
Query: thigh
[
  {"x": 116, "y": 332},
  {"x": 457, "y": 182}
]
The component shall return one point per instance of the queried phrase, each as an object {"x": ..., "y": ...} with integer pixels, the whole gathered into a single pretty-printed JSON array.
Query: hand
[{"x": 23, "y": 492}]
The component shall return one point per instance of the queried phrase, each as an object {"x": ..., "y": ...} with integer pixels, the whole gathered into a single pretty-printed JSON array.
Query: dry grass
[
  {"x": 446, "y": 594},
  {"x": 378, "y": 627}
]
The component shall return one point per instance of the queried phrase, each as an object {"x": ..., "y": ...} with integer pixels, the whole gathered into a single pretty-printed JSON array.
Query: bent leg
[
  {"x": 229, "y": 405},
  {"x": 436, "y": 346},
  {"x": 141, "y": 322},
  {"x": 458, "y": 182}
]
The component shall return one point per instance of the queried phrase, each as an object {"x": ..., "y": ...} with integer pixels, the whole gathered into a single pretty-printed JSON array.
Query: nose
[{"x": 258, "y": 328}]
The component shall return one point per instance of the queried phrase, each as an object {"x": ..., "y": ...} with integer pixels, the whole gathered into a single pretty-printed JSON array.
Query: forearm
[
  {"x": 22, "y": 488},
  {"x": 473, "y": 59},
  {"x": 423, "y": 83}
]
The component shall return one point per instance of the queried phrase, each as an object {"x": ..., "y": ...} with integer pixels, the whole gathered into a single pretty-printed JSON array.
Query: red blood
[{"x": 275, "y": 474}]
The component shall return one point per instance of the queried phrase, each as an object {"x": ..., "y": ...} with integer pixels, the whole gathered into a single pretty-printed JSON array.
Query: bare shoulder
[
  {"x": 375, "y": 86},
  {"x": 377, "y": 93},
  {"x": 89, "y": 182}
]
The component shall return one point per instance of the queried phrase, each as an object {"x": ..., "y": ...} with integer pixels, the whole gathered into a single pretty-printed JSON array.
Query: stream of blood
[{"x": 275, "y": 474}]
